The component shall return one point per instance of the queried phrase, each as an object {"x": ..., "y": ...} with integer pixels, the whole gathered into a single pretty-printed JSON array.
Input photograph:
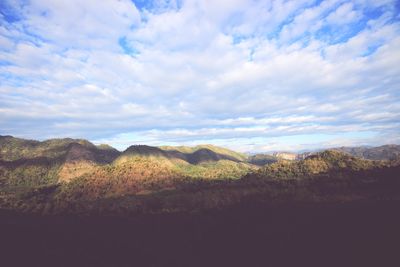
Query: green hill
[
  {"x": 90, "y": 168},
  {"x": 142, "y": 169},
  {"x": 195, "y": 155}
]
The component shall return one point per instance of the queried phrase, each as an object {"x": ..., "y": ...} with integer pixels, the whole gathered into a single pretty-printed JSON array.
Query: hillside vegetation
[
  {"x": 330, "y": 162},
  {"x": 262, "y": 159},
  {"x": 28, "y": 163},
  {"x": 70, "y": 175}
]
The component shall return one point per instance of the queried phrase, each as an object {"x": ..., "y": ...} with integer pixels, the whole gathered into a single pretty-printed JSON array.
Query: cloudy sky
[{"x": 246, "y": 74}]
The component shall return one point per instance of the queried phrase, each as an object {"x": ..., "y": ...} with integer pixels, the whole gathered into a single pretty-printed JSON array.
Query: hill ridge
[{"x": 196, "y": 156}]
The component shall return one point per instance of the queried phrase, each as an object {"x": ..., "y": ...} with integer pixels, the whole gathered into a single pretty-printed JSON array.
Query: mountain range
[
  {"x": 33, "y": 163},
  {"x": 385, "y": 152},
  {"x": 57, "y": 172}
]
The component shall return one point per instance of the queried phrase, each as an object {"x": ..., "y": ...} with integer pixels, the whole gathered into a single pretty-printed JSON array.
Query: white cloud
[
  {"x": 343, "y": 14},
  {"x": 80, "y": 23},
  {"x": 200, "y": 70}
]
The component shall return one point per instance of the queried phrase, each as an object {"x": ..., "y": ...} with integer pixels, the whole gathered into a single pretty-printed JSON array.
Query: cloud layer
[{"x": 252, "y": 75}]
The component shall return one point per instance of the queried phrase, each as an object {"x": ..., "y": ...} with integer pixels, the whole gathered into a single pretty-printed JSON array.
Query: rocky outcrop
[{"x": 285, "y": 155}]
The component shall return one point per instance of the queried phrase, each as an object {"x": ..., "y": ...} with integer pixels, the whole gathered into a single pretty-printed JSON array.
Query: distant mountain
[
  {"x": 285, "y": 155},
  {"x": 386, "y": 152},
  {"x": 195, "y": 155},
  {"x": 328, "y": 162},
  {"x": 262, "y": 159},
  {"x": 216, "y": 149}
]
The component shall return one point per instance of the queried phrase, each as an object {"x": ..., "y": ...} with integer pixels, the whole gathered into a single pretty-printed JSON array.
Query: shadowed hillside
[
  {"x": 33, "y": 163},
  {"x": 218, "y": 150}
]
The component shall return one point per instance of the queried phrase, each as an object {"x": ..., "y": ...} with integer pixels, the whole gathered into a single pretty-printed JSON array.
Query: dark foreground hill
[{"x": 248, "y": 234}]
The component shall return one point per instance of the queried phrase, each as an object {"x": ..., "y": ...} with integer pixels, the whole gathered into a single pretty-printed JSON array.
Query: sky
[{"x": 254, "y": 76}]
